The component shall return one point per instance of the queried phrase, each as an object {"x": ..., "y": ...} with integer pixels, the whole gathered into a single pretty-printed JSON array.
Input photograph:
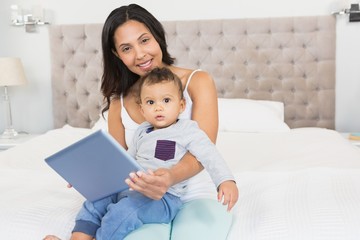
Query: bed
[{"x": 298, "y": 178}]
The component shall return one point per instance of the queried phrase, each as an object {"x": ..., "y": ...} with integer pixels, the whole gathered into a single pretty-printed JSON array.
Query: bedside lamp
[{"x": 11, "y": 74}]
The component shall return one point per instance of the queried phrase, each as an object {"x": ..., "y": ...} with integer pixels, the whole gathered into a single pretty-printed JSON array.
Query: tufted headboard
[{"x": 289, "y": 59}]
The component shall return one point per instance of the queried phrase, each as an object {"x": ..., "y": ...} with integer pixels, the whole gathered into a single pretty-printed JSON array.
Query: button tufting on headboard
[{"x": 289, "y": 59}]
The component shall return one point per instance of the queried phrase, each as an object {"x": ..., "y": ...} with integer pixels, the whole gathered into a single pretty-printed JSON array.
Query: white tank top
[{"x": 199, "y": 186}]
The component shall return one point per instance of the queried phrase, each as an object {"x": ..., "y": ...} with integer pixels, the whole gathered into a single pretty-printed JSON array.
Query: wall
[{"x": 31, "y": 104}]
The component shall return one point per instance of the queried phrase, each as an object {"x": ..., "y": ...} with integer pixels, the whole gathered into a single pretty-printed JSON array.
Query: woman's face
[{"x": 137, "y": 47}]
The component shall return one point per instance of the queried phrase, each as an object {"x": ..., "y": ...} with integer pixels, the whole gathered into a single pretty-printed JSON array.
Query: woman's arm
[
  {"x": 116, "y": 128},
  {"x": 203, "y": 93}
]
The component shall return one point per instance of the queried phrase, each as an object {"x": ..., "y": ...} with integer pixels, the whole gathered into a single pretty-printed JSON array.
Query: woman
[{"x": 133, "y": 43}]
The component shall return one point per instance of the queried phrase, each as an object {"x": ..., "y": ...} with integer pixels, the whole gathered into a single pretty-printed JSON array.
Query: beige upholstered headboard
[{"x": 288, "y": 59}]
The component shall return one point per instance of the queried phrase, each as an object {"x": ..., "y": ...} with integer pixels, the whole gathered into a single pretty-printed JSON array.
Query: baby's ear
[{"x": 182, "y": 105}]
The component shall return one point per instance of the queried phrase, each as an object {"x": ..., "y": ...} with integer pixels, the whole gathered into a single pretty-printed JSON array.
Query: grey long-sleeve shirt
[{"x": 163, "y": 148}]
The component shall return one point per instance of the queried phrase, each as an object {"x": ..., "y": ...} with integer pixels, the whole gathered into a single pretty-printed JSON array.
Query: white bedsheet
[{"x": 301, "y": 184}]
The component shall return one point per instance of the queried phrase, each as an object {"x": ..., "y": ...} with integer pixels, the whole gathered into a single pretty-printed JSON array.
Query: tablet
[{"x": 96, "y": 166}]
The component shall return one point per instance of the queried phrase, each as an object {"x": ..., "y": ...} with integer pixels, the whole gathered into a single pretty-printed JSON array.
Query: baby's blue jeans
[{"x": 115, "y": 216}]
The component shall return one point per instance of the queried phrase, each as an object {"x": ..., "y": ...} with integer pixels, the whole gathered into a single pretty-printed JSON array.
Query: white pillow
[
  {"x": 247, "y": 115},
  {"x": 241, "y": 115}
]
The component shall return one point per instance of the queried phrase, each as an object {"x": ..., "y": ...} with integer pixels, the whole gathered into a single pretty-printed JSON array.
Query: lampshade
[{"x": 11, "y": 72}]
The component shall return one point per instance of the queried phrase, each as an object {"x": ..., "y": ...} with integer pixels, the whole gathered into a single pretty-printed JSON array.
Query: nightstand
[
  {"x": 6, "y": 143},
  {"x": 346, "y": 136}
]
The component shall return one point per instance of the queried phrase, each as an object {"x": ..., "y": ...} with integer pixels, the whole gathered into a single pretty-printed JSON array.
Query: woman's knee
[{"x": 202, "y": 219}]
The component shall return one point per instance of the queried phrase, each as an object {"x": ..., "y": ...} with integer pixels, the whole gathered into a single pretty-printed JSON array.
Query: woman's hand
[{"x": 153, "y": 184}]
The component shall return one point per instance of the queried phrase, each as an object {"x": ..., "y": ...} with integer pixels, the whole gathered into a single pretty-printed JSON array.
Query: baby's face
[{"x": 161, "y": 103}]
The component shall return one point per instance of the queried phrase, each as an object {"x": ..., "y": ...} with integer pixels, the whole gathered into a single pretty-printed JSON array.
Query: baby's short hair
[{"x": 158, "y": 75}]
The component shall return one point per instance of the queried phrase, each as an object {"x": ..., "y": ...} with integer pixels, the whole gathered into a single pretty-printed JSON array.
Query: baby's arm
[{"x": 228, "y": 193}]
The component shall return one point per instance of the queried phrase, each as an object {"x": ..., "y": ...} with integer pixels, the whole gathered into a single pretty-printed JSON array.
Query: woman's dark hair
[{"x": 117, "y": 79}]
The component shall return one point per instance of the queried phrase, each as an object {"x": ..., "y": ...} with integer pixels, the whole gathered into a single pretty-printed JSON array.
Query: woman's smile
[{"x": 145, "y": 66}]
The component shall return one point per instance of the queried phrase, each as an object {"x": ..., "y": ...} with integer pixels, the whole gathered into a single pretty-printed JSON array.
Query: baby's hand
[{"x": 229, "y": 193}]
